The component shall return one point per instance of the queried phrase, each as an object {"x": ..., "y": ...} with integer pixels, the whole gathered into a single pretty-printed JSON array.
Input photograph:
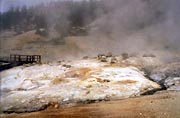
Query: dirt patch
[
  {"x": 127, "y": 82},
  {"x": 58, "y": 80},
  {"x": 78, "y": 72},
  {"x": 101, "y": 80}
]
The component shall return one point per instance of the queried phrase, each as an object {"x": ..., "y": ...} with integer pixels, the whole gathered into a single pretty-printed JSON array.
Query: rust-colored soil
[
  {"x": 127, "y": 82},
  {"x": 161, "y": 105}
]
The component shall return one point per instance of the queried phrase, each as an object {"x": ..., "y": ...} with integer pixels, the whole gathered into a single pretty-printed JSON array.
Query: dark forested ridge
[
  {"x": 62, "y": 16},
  {"x": 21, "y": 19}
]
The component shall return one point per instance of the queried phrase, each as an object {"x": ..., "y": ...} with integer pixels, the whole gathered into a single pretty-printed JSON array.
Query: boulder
[
  {"x": 172, "y": 83},
  {"x": 167, "y": 75}
]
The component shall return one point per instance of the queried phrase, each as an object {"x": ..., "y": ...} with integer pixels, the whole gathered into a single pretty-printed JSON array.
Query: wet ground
[{"x": 162, "y": 105}]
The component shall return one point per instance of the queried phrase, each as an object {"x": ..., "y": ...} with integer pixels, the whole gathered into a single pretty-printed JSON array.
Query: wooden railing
[
  {"x": 17, "y": 60},
  {"x": 25, "y": 58}
]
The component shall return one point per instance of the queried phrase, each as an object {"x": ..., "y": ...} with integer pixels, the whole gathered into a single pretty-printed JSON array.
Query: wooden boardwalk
[{"x": 17, "y": 60}]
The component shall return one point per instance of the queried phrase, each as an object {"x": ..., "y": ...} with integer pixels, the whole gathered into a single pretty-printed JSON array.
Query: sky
[{"x": 6, "y": 4}]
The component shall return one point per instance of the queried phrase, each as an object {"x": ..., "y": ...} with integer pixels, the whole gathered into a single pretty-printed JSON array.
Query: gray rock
[
  {"x": 113, "y": 60},
  {"x": 158, "y": 77},
  {"x": 172, "y": 83},
  {"x": 167, "y": 75},
  {"x": 125, "y": 56},
  {"x": 109, "y": 54},
  {"x": 102, "y": 57},
  {"x": 174, "y": 88}
]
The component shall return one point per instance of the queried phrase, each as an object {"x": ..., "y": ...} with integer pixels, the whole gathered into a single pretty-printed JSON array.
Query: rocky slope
[
  {"x": 70, "y": 83},
  {"x": 35, "y": 87}
]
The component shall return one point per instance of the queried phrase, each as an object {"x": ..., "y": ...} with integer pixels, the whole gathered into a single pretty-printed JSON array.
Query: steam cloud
[
  {"x": 139, "y": 26},
  {"x": 132, "y": 26}
]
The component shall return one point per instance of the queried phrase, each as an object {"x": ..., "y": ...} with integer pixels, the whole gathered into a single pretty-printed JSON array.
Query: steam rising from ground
[
  {"x": 139, "y": 26},
  {"x": 132, "y": 26}
]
